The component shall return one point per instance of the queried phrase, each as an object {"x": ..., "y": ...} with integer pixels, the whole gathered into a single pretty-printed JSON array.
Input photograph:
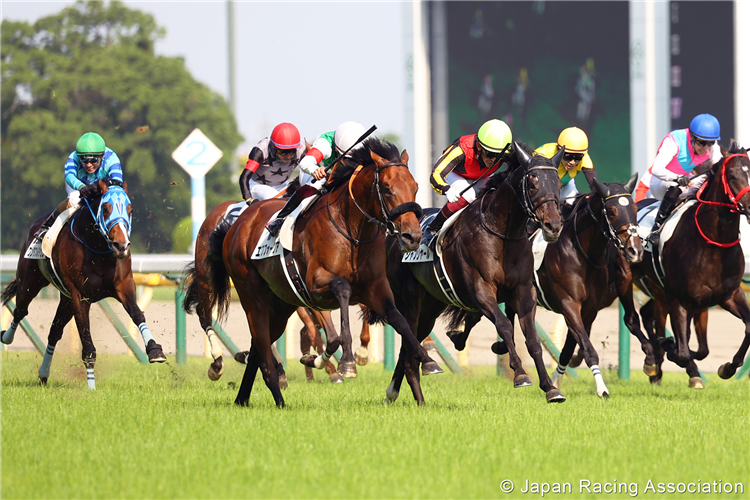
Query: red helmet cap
[{"x": 285, "y": 136}]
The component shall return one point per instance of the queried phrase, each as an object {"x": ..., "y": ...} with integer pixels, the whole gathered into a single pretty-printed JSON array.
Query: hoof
[
  {"x": 309, "y": 374},
  {"x": 429, "y": 344},
  {"x": 431, "y": 368},
  {"x": 696, "y": 383},
  {"x": 655, "y": 380},
  {"x": 308, "y": 360},
  {"x": 726, "y": 371},
  {"x": 650, "y": 370},
  {"x": 336, "y": 378},
  {"x": 347, "y": 370},
  {"x": 154, "y": 352},
  {"x": 241, "y": 402},
  {"x": 241, "y": 357},
  {"x": 522, "y": 381},
  {"x": 283, "y": 383},
  {"x": 555, "y": 396},
  {"x": 361, "y": 355},
  {"x": 42, "y": 380},
  {"x": 4, "y": 339},
  {"x": 604, "y": 395},
  {"x": 457, "y": 338},
  {"x": 391, "y": 394},
  {"x": 216, "y": 369},
  {"x": 500, "y": 348}
]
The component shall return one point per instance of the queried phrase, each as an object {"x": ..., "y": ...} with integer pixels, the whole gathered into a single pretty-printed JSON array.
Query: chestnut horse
[
  {"x": 702, "y": 264},
  {"x": 574, "y": 276},
  {"x": 91, "y": 259},
  {"x": 488, "y": 260},
  {"x": 198, "y": 299},
  {"x": 339, "y": 251}
]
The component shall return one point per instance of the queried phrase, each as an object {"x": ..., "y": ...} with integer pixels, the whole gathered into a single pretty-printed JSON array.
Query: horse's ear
[
  {"x": 631, "y": 183},
  {"x": 379, "y": 160},
  {"x": 103, "y": 186},
  {"x": 404, "y": 157},
  {"x": 600, "y": 188},
  {"x": 521, "y": 154},
  {"x": 558, "y": 157},
  {"x": 308, "y": 146},
  {"x": 125, "y": 187}
]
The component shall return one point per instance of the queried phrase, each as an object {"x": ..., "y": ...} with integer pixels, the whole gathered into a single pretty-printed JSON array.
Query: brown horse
[
  {"x": 339, "y": 251},
  {"x": 90, "y": 261},
  {"x": 702, "y": 264},
  {"x": 198, "y": 299},
  {"x": 574, "y": 276},
  {"x": 488, "y": 261}
]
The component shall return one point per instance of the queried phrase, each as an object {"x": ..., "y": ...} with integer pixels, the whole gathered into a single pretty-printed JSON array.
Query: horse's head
[
  {"x": 114, "y": 217},
  {"x": 539, "y": 184},
  {"x": 619, "y": 215},
  {"x": 735, "y": 177}
]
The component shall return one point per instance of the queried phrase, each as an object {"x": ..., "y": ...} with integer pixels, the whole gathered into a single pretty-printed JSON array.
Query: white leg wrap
[
  {"x": 557, "y": 375},
  {"x": 321, "y": 360},
  {"x": 90, "y": 378},
  {"x": 601, "y": 389},
  {"x": 213, "y": 339},
  {"x": 10, "y": 333},
  {"x": 145, "y": 333},
  {"x": 391, "y": 394},
  {"x": 47, "y": 362}
]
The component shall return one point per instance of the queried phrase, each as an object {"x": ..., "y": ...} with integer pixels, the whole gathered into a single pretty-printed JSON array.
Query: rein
[
  {"x": 735, "y": 206},
  {"x": 96, "y": 226},
  {"x": 388, "y": 215}
]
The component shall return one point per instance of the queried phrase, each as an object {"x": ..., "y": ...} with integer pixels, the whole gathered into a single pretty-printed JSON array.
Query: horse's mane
[
  {"x": 361, "y": 156},
  {"x": 513, "y": 163}
]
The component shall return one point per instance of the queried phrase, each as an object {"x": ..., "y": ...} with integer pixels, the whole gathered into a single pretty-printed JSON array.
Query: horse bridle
[
  {"x": 388, "y": 215},
  {"x": 608, "y": 229},
  {"x": 119, "y": 216}
]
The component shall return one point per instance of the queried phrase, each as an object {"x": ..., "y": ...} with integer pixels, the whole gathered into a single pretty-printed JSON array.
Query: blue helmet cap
[{"x": 705, "y": 127}]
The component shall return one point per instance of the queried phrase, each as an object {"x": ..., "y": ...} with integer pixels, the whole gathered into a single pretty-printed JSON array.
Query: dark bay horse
[
  {"x": 488, "y": 260},
  {"x": 702, "y": 263},
  {"x": 574, "y": 276},
  {"x": 91, "y": 258},
  {"x": 198, "y": 298},
  {"x": 339, "y": 251}
]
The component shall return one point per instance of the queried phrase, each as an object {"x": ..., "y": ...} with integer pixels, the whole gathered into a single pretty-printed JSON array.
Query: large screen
[{"x": 542, "y": 67}]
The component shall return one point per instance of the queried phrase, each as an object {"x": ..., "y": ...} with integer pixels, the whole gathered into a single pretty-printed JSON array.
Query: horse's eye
[{"x": 386, "y": 191}]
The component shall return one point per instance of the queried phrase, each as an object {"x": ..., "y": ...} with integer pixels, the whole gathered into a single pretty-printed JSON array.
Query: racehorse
[
  {"x": 339, "y": 251},
  {"x": 90, "y": 261},
  {"x": 702, "y": 264},
  {"x": 574, "y": 278},
  {"x": 488, "y": 261}
]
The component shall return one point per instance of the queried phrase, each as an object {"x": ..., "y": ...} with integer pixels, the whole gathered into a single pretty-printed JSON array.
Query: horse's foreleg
[
  {"x": 634, "y": 325},
  {"x": 565, "y": 355},
  {"x": 248, "y": 379},
  {"x": 572, "y": 311},
  {"x": 700, "y": 321},
  {"x": 127, "y": 297},
  {"x": 680, "y": 325},
  {"x": 737, "y": 305},
  {"x": 648, "y": 317},
  {"x": 361, "y": 355},
  {"x": 342, "y": 290},
  {"x": 524, "y": 304},
  {"x": 394, "y": 388},
  {"x": 81, "y": 307}
]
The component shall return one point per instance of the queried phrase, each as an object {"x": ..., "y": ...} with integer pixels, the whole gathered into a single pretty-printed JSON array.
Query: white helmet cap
[{"x": 346, "y": 134}]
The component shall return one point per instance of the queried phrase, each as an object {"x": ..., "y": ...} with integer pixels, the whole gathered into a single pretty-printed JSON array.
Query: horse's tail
[
  {"x": 191, "y": 290},
  {"x": 221, "y": 292},
  {"x": 371, "y": 317},
  {"x": 455, "y": 316},
  {"x": 10, "y": 291}
]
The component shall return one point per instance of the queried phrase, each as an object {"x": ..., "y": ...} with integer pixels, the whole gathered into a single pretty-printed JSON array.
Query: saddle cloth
[
  {"x": 269, "y": 246},
  {"x": 646, "y": 218},
  {"x": 424, "y": 252},
  {"x": 40, "y": 250}
]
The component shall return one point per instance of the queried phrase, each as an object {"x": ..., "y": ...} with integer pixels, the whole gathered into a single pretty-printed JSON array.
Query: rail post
[
  {"x": 26, "y": 327},
  {"x": 122, "y": 330},
  {"x": 389, "y": 362},
  {"x": 180, "y": 330},
  {"x": 623, "y": 367}
]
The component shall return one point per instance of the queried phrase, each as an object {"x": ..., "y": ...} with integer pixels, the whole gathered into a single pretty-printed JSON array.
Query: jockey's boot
[
  {"x": 434, "y": 227},
  {"x": 274, "y": 226},
  {"x": 46, "y": 225},
  {"x": 666, "y": 207}
]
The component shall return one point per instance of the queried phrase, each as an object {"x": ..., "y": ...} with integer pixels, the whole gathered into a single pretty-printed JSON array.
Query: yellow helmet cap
[{"x": 574, "y": 139}]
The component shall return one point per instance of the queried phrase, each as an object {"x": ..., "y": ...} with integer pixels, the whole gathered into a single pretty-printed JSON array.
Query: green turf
[{"x": 166, "y": 431}]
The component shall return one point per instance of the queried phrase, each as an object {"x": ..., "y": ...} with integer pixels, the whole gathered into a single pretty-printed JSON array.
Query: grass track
[{"x": 166, "y": 431}]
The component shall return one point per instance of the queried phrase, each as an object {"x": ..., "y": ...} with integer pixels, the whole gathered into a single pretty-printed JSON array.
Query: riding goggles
[
  {"x": 703, "y": 144},
  {"x": 90, "y": 159},
  {"x": 285, "y": 152},
  {"x": 573, "y": 156}
]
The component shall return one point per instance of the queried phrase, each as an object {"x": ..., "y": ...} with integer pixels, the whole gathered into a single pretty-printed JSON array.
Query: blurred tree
[{"x": 93, "y": 68}]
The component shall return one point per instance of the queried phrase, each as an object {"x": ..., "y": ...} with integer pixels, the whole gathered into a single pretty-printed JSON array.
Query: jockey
[
  {"x": 271, "y": 162},
  {"x": 314, "y": 167},
  {"x": 92, "y": 160},
  {"x": 575, "y": 159},
  {"x": 469, "y": 157},
  {"x": 681, "y": 153}
]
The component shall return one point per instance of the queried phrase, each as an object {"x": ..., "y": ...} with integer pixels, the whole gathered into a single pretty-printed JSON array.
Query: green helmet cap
[
  {"x": 494, "y": 135},
  {"x": 90, "y": 143}
]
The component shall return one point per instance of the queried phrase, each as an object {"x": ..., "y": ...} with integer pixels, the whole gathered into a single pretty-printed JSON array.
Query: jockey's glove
[{"x": 683, "y": 180}]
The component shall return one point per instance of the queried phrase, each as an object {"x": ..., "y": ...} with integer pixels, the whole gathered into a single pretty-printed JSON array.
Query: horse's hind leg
[
  {"x": 361, "y": 355},
  {"x": 62, "y": 317},
  {"x": 737, "y": 305},
  {"x": 24, "y": 290},
  {"x": 125, "y": 293},
  {"x": 565, "y": 356},
  {"x": 248, "y": 379},
  {"x": 649, "y": 324}
]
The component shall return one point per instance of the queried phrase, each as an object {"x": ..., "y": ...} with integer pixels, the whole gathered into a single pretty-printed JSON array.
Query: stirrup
[
  {"x": 39, "y": 235},
  {"x": 274, "y": 227}
]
